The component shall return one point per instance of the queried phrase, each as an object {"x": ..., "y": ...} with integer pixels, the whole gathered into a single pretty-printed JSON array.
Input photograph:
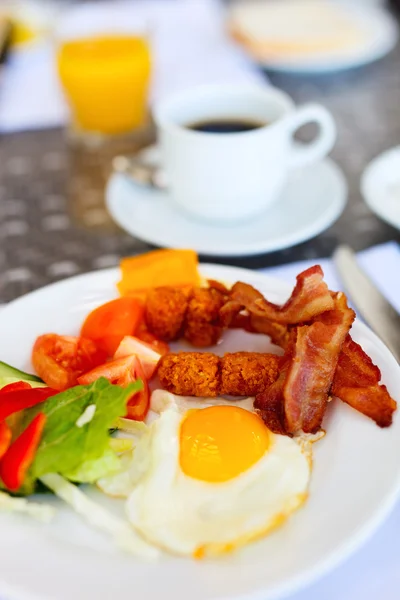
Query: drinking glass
[{"x": 104, "y": 65}]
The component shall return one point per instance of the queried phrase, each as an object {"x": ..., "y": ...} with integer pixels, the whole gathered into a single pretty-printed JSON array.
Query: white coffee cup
[{"x": 227, "y": 177}]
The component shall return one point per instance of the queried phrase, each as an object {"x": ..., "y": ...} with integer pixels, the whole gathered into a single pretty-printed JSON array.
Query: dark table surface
[{"x": 53, "y": 223}]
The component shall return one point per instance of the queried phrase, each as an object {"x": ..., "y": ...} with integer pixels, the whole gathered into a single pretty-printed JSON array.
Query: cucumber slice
[{"x": 9, "y": 372}]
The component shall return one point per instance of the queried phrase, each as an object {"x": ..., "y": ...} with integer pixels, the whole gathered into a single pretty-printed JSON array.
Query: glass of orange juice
[{"x": 104, "y": 64}]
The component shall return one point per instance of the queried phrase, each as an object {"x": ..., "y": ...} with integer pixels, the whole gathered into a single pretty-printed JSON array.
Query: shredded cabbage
[
  {"x": 42, "y": 512},
  {"x": 97, "y": 516}
]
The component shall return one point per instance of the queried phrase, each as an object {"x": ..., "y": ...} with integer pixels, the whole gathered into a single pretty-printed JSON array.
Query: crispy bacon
[
  {"x": 270, "y": 403},
  {"x": 278, "y": 333},
  {"x": 232, "y": 316},
  {"x": 316, "y": 355},
  {"x": 217, "y": 285},
  {"x": 230, "y": 312},
  {"x": 307, "y": 371},
  {"x": 309, "y": 298},
  {"x": 242, "y": 321},
  {"x": 356, "y": 382}
]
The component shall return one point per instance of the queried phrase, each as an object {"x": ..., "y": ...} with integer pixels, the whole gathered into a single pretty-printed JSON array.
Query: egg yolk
[{"x": 221, "y": 442}]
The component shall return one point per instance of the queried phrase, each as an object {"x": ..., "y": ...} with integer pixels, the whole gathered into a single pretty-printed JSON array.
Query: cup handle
[{"x": 321, "y": 145}]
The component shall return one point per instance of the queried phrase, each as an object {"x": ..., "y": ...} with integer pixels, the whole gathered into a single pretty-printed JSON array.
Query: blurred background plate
[
  {"x": 380, "y": 186},
  {"x": 31, "y": 20},
  {"x": 321, "y": 37}
]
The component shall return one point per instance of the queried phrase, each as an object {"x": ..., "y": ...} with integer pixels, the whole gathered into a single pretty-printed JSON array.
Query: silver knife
[{"x": 372, "y": 305}]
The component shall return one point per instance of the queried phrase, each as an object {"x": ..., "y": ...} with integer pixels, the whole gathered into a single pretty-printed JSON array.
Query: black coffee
[{"x": 225, "y": 125}]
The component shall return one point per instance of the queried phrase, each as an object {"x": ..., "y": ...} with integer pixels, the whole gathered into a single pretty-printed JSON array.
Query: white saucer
[
  {"x": 380, "y": 186},
  {"x": 381, "y": 33},
  {"x": 313, "y": 199}
]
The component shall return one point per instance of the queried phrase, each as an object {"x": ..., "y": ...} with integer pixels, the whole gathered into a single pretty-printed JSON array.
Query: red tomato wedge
[
  {"x": 138, "y": 406},
  {"x": 145, "y": 335},
  {"x": 123, "y": 371},
  {"x": 60, "y": 360},
  {"x": 113, "y": 371},
  {"x": 109, "y": 323},
  {"x": 145, "y": 353}
]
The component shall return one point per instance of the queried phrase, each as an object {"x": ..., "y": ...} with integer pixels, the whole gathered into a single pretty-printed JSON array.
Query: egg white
[
  {"x": 120, "y": 485},
  {"x": 187, "y": 516},
  {"x": 161, "y": 401}
]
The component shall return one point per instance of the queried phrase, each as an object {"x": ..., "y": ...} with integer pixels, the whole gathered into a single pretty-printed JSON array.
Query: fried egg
[
  {"x": 162, "y": 400},
  {"x": 212, "y": 479}
]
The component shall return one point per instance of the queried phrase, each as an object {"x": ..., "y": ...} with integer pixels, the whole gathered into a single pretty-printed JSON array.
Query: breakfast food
[
  {"x": 193, "y": 462},
  {"x": 320, "y": 361},
  {"x": 165, "y": 312},
  {"x": 192, "y": 313},
  {"x": 202, "y": 327},
  {"x": 190, "y": 374},
  {"x": 294, "y": 29},
  {"x": 217, "y": 449},
  {"x": 205, "y": 374},
  {"x": 177, "y": 268}
]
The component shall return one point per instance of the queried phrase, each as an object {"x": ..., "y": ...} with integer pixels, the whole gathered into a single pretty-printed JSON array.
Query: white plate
[
  {"x": 355, "y": 483},
  {"x": 380, "y": 186},
  {"x": 313, "y": 199},
  {"x": 381, "y": 36}
]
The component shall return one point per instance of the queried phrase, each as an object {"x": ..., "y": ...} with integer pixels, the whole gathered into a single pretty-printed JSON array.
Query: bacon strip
[
  {"x": 230, "y": 312},
  {"x": 217, "y": 285},
  {"x": 278, "y": 333},
  {"x": 308, "y": 368},
  {"x": 270, "y": 403},
  {"x": 320, "y": 357},
  {"x": 309, "y": 298},
  {"x": 356, "y": 382},
  {"x": 310, "y": 377}
]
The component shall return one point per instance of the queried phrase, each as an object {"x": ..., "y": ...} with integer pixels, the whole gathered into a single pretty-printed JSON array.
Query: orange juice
[{"x": 106, "y": 80}]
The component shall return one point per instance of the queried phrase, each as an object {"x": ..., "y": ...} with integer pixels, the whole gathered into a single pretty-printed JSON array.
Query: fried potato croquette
[
  {"x": 205, "y": 374},
  {"x": 247, "y": 373},
  {"x": 165, "y": 312},
  {"x": 190, "y": 374},
  {"x": 202, "y": 327}
]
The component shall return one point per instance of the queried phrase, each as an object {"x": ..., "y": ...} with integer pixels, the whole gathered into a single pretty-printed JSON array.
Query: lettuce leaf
[
  {"x": 91, "y": 470},
  {"x": 77, "y": 426}
]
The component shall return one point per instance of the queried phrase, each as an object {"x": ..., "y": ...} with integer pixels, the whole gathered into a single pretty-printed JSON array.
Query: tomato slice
[
  {"x": 138, "y": 406},
  {"x": 109, "y": 323},
  {"x": 113, "y": 371},
  {"x": 145, "y": 335},
  {"x": 123, "y": 371},
  {"x": 148, "y": 357},
  {"x": 60, "y": 360}
]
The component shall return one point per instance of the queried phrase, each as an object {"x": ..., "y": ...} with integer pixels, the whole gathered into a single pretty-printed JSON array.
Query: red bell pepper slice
[
  {"x": 14, "y": 401},
  {"x": 19, "y": 456},
  {"x": 5, "y": 438},
  {"x": 13, "y": 387}
]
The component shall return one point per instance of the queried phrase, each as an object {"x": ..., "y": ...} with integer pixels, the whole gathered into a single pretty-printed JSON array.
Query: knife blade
[{"x": 372, "y": 305}]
